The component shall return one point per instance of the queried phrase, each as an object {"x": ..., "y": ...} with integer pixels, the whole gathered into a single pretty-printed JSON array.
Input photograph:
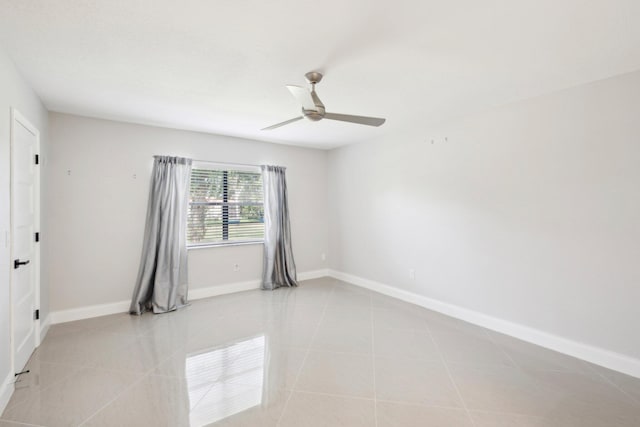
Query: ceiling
[{"x": 221, "y": 66}]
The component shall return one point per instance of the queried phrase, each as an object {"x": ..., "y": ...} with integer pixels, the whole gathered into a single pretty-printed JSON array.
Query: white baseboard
[
  {"x": 230, "y": 288},
  {"x": 599, "y": 356},
  {"x": 63, "y": 316},
  {"x": 87, "y": 312},
  {"x": 6, "y": 390},
  {"x": 213, "y": 291},
  {"x": 44, "y": 327},
  {"x": 315, "y": 274}
]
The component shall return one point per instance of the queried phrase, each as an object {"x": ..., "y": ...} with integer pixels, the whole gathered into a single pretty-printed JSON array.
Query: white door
[{"x": 24, "y": 256}]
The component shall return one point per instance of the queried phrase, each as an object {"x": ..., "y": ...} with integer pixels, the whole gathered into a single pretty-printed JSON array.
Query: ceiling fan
[{"x": 313, "y": 108}]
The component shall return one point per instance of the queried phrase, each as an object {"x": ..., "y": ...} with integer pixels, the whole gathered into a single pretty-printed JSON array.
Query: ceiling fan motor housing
[{"x": 313, "y": 115}]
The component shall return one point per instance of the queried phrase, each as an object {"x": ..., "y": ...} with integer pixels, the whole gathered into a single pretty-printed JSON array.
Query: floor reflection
[{"x": 225, "y": 381}]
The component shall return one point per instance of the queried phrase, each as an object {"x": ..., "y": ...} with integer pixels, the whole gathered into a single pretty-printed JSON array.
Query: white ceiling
[{"x": 221, "y": 66}]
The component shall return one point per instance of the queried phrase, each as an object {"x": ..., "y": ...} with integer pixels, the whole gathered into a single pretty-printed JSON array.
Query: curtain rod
[
  {"x": 225, "y": 163},
  {"x": 230, "y": 164}
]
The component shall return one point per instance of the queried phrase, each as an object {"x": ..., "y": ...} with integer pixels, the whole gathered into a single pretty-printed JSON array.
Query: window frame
[{"x": 225, "y": 168}]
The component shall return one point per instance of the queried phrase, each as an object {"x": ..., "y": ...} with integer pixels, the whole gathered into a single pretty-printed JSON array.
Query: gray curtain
[
  {"x": 162, "y": 278},
  {"x": 279, "y": 268}
]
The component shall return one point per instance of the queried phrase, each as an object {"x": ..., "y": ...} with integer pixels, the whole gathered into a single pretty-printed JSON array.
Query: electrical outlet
[
  {"x": 236, "y": 267},
  {"x": 323, "y": 256},
  {"x": 412, "y": 274}
]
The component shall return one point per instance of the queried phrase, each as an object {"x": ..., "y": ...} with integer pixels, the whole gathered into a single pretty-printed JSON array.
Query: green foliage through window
[{"x": 225, "y": 206}]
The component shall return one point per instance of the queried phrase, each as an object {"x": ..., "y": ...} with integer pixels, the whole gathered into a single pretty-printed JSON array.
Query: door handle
[{"x": 17, "y": 263}]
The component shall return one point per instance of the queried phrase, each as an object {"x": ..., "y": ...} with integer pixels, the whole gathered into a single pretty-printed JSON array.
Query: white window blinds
[{"x": 225, "y": 206}]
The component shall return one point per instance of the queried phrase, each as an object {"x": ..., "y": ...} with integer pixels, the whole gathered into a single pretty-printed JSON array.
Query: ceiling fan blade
[
  {"x": 283, "y": 123},
  {"x": 303, "y": 95},
  {"x": 369, "y": 121}
]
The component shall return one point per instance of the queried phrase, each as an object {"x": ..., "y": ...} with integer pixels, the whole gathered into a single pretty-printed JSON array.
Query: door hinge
[
  {"x": 37, "y": 236},
  {"x": 36, "y": 315},
  {"x": 37, "y": 159}
]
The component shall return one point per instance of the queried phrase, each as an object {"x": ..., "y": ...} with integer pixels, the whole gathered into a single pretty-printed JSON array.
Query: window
[{"x": 225, "y": 206}]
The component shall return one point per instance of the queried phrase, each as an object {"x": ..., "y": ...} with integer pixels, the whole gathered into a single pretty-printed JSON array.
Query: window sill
[{"x": 224, "y": 244}]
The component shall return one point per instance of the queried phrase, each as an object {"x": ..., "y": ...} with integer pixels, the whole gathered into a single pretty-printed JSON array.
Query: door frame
[{"x": 17, "y": 119}]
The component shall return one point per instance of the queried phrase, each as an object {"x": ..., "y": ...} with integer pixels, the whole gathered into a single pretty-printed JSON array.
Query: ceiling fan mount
[
  {"x": 313, "y": 77},
  {"x": 313, "y": 109}
]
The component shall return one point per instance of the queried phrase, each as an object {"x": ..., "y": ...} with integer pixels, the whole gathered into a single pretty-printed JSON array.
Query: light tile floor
[{"x": 324, "y": 354}]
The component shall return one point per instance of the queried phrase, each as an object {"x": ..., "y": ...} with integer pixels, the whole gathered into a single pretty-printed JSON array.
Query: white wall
[
  {"x": 14, "y": 92},
  {"x": 528, "y": 213},
  {"x": 98, "y": 209}
]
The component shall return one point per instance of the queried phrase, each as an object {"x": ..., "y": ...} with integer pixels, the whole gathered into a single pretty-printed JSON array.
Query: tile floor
[{"x": 324, "y": 354}]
